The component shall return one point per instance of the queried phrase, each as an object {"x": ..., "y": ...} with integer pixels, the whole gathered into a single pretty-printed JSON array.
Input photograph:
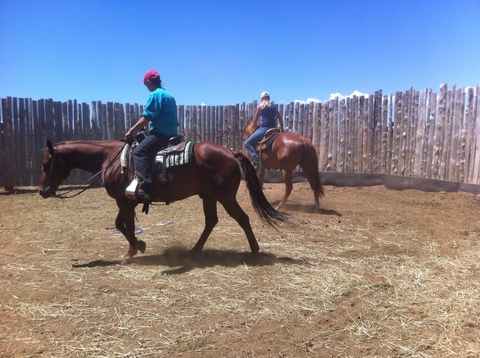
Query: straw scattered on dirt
[{"x": 376, "y": 273}]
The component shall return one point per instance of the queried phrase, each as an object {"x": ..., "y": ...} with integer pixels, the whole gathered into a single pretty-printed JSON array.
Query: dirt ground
[{"x": 376, "y": 273}]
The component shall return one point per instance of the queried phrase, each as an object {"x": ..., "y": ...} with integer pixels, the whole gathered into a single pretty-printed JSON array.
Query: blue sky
[{"x": 225, "y": 52}]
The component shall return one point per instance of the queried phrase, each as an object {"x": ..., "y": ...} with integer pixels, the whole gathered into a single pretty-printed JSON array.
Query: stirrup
[{"x": 131, "y": 191}]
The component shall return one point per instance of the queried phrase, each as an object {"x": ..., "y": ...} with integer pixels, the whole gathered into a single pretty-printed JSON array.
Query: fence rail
[{"x": 419, "y": 134}]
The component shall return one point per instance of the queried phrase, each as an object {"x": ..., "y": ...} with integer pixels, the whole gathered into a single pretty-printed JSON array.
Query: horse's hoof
[
  {"x": 251, "y": 259},
  {"x": 126, "y": 261},
  {"x": 141, "y": 246},
  {"x": 195, "y": 252}
]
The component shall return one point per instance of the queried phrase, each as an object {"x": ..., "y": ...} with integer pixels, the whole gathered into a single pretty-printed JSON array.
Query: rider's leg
[
  {"x": 143, "y": 157},
  {"x": 251, "y": 143}
]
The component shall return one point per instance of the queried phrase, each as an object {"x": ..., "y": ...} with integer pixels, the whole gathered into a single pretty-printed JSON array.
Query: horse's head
[
  {"x": 249, "y": 129},
  {"x": 54, "y": 171}
]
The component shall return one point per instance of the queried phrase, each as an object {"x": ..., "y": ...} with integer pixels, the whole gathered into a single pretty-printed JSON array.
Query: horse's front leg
[{"x": 125, "y": 223}]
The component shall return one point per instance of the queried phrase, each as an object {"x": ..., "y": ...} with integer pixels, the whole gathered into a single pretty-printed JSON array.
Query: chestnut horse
[
  {"x": 286, "y": 152},
  {"x": 214, "y": 176}
]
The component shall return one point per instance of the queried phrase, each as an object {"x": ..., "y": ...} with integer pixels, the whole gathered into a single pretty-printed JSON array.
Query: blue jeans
[
  {"x": 144, "y": 155},
  {"x": 251, "y": 143}
]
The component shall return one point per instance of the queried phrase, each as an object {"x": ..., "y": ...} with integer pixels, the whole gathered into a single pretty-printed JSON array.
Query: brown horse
[
  {"x": 286, "y": 152},
  {"x": 214, "y": 175}
]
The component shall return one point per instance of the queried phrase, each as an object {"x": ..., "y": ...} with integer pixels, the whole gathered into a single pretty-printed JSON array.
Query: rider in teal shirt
[{"x": 161, "y": 112}]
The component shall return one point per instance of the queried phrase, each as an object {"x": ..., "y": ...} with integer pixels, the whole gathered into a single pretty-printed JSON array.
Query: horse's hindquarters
[{"x": 214, "y": 173}]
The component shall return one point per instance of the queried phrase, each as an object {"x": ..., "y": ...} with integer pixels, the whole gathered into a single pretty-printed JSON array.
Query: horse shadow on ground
[
  {"x": 182, "y": 260},
  {"x": 306, "y": 208}
]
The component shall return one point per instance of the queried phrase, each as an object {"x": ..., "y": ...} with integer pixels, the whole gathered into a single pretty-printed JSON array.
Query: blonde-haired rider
[{"x": 265, "y": 118}]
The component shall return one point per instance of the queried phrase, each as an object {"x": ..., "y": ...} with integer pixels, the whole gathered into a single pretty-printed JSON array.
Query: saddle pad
[
  {"x": 179, "y": 157},
  {"x": 124, "y": 156}
]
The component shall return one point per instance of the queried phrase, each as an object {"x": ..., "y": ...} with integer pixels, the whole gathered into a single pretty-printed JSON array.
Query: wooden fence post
[
  {"x": 417, "y": 134},
  {"x": 476, "y": 142}
]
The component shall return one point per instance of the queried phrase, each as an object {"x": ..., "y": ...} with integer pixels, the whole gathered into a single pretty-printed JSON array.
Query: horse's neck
[
  {"x": 249, "y": 129},
  {"x": 85, "y": 156}
]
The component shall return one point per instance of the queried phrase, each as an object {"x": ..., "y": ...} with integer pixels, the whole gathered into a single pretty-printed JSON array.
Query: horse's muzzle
[{"x": 46, "y": 193}]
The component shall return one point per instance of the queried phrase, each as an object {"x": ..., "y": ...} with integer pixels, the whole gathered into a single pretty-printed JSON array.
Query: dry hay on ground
[{"x": 376, "y": 273}]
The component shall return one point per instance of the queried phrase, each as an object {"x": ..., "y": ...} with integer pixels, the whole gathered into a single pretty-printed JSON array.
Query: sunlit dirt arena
[{"x": 375, "y": 273}]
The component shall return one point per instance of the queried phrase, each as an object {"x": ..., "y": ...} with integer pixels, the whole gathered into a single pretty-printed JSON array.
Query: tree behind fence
[{"x": 414, "y": 133}]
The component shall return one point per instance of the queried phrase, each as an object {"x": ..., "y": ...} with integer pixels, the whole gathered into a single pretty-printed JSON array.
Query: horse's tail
[
  {"x": 309, "y": 165},
  {"x": 262, "y": 207}
]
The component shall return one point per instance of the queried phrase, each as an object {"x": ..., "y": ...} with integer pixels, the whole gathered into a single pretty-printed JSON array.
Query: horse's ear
[{"x": 50, "y": 147}]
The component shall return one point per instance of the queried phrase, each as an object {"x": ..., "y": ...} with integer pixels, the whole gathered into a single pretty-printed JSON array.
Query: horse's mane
[
  {"x": 248, "y": 123},
  {"x": 99, "y": 143},
  {"x": 249, "y": 127},
  {"x": 90, "y": 141}
]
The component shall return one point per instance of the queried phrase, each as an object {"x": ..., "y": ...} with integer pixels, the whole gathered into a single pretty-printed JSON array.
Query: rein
[{"x": 95, "y": 176}]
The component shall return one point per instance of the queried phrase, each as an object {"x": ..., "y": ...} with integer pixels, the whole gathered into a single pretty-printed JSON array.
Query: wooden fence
[{"x": 418, "y": 134}]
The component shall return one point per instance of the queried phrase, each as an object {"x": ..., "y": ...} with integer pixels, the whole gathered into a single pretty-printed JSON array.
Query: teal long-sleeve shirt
[{"x": 161, "y": 111}]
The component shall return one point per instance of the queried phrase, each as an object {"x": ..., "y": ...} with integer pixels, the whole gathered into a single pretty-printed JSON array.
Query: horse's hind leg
[
  {"x": 314, "y": 185},
  {"x": 287, "y": 179},
  {"x": 261, "y": 175},
  {"x": 313, "y": 178},
  {"x": 211, "y": 219},
  {"x": 235, "y": 211},
  {"x": 316, "y": 208}
]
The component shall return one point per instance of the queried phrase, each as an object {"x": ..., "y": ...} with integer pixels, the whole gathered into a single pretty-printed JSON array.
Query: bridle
[{"x": 95, "y": 176}]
